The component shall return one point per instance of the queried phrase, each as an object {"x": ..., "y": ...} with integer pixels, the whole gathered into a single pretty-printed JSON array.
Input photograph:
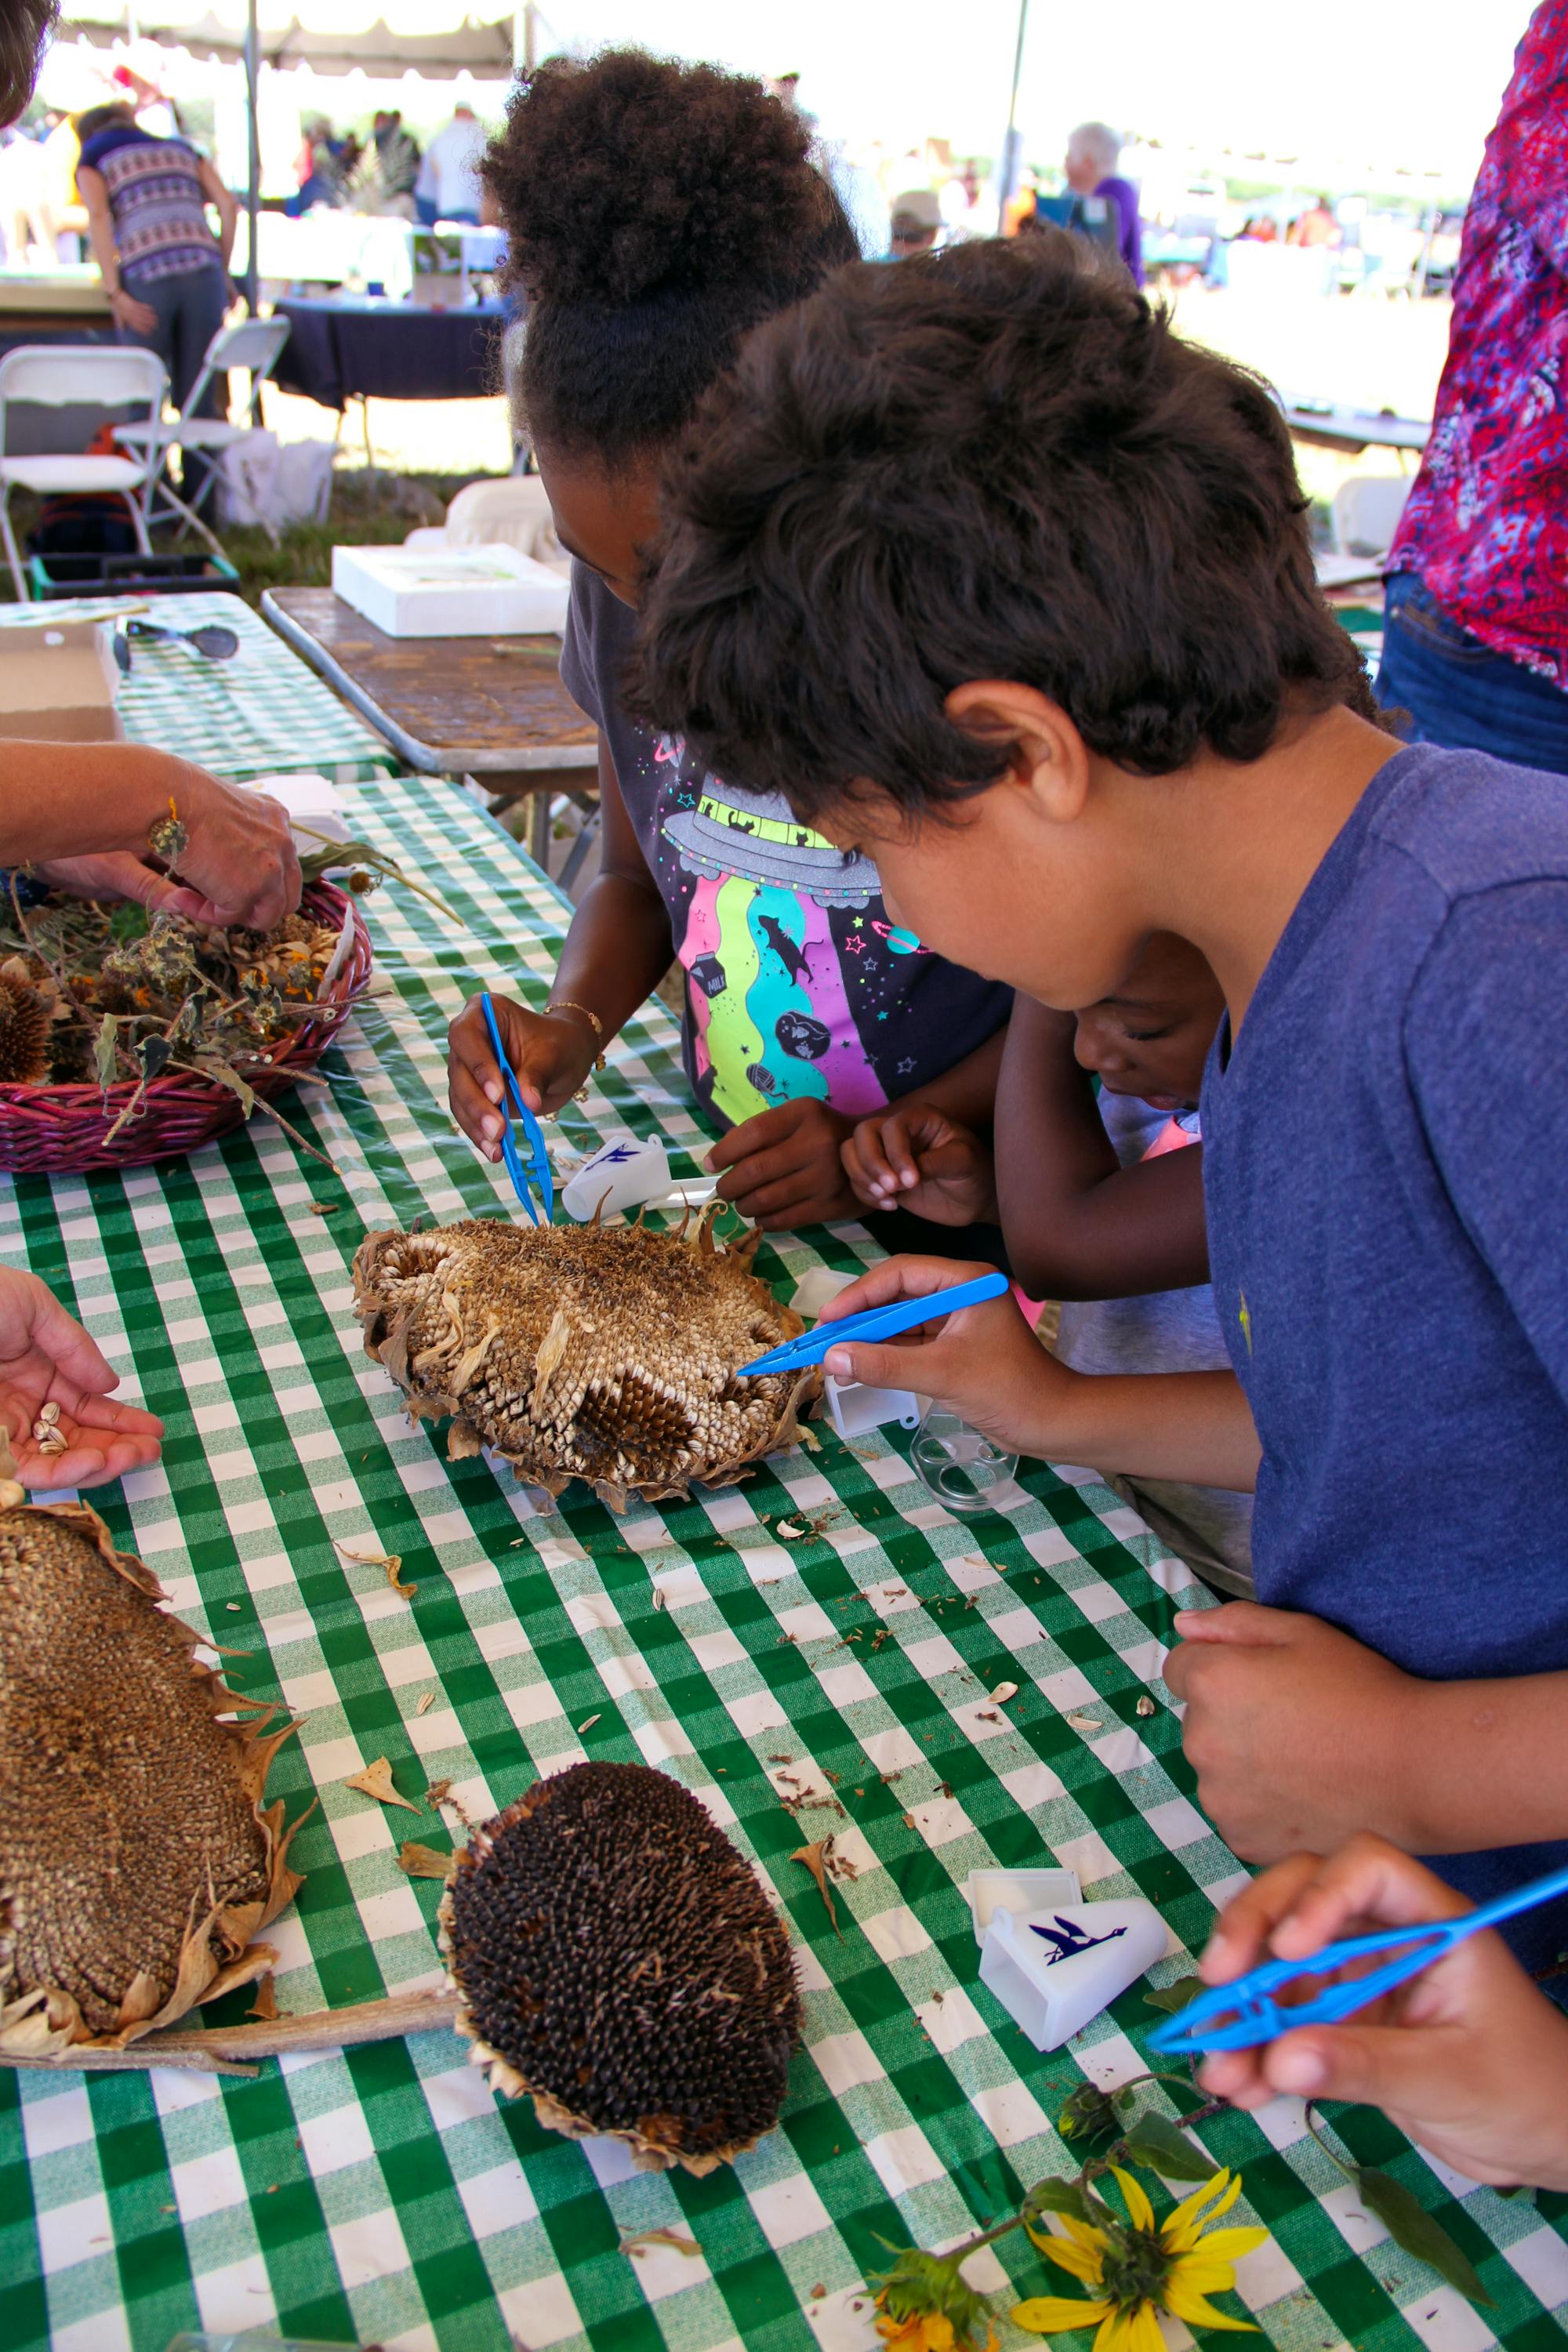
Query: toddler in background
[{"x": 1100, "y": 1202}]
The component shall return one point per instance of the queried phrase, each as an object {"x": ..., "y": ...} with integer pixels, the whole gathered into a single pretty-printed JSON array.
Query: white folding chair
[
  {"x": 62, "y": 375},
  {"x": 252, "y": 344},
  {"x": 1366, "y": 512}
]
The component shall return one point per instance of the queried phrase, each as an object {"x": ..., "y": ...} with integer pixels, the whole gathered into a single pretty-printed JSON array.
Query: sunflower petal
[
  {"x": 1144, "y": 2330},
  {"x": 1083, "y": 2233},
  {"x": 1198, "y": 2312},
  {"x": 1079, "y": 2261},
  {"x": 1138, "y": 2205},
  {"x": 1223, "y": 2246},
  {"x": 1113, "y": 2330},
  {"x": 1182, "y": 2225},
  {"x": 1048, "y": 2314}
]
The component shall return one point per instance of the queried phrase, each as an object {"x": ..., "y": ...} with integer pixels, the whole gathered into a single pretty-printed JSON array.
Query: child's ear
[{"x": 1047, "y": 753}]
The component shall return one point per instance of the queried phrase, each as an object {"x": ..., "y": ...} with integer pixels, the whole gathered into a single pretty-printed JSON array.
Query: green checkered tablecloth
[
  {"x": 382, "y": 2195},
  {"x": 258, "y": 714}
]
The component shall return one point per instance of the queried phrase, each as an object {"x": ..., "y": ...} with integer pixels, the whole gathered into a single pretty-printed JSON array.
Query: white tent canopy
[{"x": 377, "y": 36}]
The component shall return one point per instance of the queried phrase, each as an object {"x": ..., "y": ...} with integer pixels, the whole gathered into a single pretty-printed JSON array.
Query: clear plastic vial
[{"x": 956, "y": 1463}]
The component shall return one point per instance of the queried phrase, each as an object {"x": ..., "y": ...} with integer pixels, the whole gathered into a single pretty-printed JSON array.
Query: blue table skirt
[{"x": 344, "y": 347}]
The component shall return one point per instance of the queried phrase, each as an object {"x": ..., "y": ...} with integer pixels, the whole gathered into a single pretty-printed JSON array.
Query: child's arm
[
  {"x": 1078, "y": 1224},
  {"x": 1467, "y": 2059},
  {"x": 1300, "y": 1734},
  {"x": 617, "y": 950},
  {"x": 985, "y": 1364}
]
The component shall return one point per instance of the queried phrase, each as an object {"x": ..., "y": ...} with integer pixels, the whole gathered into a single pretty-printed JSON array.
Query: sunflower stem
[{"x": 1332, "y": 2153}]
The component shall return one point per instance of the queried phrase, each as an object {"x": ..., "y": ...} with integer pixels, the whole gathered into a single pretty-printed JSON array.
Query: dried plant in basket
[
  {"x": 617, "y": 1958},
  {"x": 578, "y": 1352},
  {"x": 137, "y": 1861}
]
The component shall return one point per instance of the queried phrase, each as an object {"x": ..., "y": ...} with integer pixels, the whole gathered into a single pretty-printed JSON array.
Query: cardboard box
[
  {"x": 57, "y": 680},
  {"x": 458, "y": 591}
]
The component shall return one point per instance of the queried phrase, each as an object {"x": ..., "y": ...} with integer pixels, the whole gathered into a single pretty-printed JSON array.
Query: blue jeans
[{"x": 1459, "y": 692}]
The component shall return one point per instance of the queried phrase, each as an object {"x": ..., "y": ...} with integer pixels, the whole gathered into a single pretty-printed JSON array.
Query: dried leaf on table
[
  {"x": 392, "y": 1561},
  {"x": 418, "y": 1861},
  {"x": 375, "y": 1781},
  {"x": 323, "y": 1208},
  {"x": 265, "y": 2005},
  {"x": 816, "y": 1859},
  {"x": 671, "y": 2238}
]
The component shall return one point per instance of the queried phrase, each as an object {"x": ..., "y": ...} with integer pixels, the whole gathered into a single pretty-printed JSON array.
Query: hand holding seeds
[{"x": 65, "y": 1428}]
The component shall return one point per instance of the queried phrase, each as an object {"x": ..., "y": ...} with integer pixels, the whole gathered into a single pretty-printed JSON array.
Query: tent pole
[
  {"x": 253, "y": 177},
  {"x": 1008, "y": 171}
]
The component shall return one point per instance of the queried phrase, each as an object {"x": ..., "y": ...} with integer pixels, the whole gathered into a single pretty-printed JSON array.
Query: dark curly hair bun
[{"x": 654, "y": 213}]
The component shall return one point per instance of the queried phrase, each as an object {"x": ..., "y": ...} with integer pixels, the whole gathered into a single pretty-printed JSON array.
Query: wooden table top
[{"x": 447, "y": 706}]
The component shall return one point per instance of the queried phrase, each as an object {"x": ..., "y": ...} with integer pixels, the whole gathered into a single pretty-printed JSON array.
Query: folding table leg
[{"x": 13, "y": 553}]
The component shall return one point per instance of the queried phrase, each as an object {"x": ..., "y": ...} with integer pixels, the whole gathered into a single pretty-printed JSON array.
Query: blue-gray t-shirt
[{"x": 1385, "y": 1165}]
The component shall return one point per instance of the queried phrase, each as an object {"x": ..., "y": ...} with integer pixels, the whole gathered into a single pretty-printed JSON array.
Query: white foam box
[
  {"x": 1054, "y": 1970},
  {"x": 456, "y": 591},
  {"x": 58, "y": 682}
]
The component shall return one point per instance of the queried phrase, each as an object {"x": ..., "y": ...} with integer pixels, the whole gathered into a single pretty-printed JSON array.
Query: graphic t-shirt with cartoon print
[{"x": 797, "y": 982}]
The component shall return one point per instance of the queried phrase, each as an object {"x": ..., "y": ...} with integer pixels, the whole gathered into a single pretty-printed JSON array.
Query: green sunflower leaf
[
  {"x": 1056, "y": 2196},
  {"x": 1175, "y": 1996},
  {"x": 1155, "y": 2140},
  {"x": 1410, "y": 2225}
]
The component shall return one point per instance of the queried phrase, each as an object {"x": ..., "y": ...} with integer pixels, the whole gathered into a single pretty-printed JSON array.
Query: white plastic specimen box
[
  {"x": 989, "y": 1891},
  {"x": 457, "y": 592},
  {"x": 1054, "y": 1970},
  {"x": 853, "y": 1409},
  {"x": 625, "y": 1175}
]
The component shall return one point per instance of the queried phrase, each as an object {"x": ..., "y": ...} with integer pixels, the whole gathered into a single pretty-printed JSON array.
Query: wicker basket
[{"x": 53, "y": 1130}]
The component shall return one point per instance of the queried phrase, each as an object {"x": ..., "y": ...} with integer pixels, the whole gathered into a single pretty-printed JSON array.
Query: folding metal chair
[
  {"x": 61, "y": 375},
  {"x": 252, "y": 344}
]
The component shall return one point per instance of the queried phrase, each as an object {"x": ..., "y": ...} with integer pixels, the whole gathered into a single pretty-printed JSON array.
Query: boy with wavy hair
[{"x": 1009, "y": 588}]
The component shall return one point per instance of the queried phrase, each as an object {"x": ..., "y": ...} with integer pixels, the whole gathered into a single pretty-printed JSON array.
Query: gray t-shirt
[
  {"x": 797, "y": 980},
  {"x": 1166, "y": 1331}
]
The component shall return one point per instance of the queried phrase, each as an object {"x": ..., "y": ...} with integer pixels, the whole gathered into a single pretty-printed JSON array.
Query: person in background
[
  {"x": 164, "y": 270},
  {"x": 1094, "y": 150},
  {"x": 447, "y": 187},
  {"x": 387, "y": 169},
  {"x": 317, "y": 168},
  {"x": 1476, "y": 634},
  {"x": 1316, "y": 227},
  {"x": 655, "y": 213},
  {"x": 917, "y": 224}
]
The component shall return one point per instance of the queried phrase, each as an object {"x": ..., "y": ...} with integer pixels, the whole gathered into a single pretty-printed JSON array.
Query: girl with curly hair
[{"x": 655, "y": 213}]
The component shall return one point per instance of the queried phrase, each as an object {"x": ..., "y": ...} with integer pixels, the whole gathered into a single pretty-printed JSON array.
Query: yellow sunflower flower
[
  {"x": 924, "y": 2305},
  {"x": 1137, "y": 2271}
]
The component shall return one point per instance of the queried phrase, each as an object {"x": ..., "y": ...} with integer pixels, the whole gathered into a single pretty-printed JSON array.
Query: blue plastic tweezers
[
  {"x": 875, "y": 1323},
  {"x": 1240, "y": 2016},
  {"x": 536, "y": 1168}
]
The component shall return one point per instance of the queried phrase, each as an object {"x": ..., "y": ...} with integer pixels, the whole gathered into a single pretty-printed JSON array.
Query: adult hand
[
  {"x": 551, "y": 1054},
  {"x": 783, "y": 1168},
  {"x": 983, "y": 1362},
  {"x": 1299, "y": 1734},
  {"x": 1467, "y": 2058},
  {"x": 238, "y": 865},
  {"x": 917, "y": 1158},
  {"x": 45, "y": 1356}
]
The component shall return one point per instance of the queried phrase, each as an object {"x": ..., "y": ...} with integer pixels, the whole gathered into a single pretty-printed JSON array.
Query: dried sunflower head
[
  {"x": 24, "y": 1025},
  {"x": 617, "y": 1958},
  {"x": 136, "y": 1859},
  {"x": 582, "y": 1353}
]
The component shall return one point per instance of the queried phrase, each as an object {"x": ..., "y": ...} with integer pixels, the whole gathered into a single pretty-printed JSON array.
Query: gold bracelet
[{"x": 568, "y": 1004}]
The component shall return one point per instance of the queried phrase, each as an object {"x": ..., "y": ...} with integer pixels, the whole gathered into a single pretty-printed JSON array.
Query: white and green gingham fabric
[
  {"x": 259, "y": 713},
  {"x": 838, "y": 1683}
]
